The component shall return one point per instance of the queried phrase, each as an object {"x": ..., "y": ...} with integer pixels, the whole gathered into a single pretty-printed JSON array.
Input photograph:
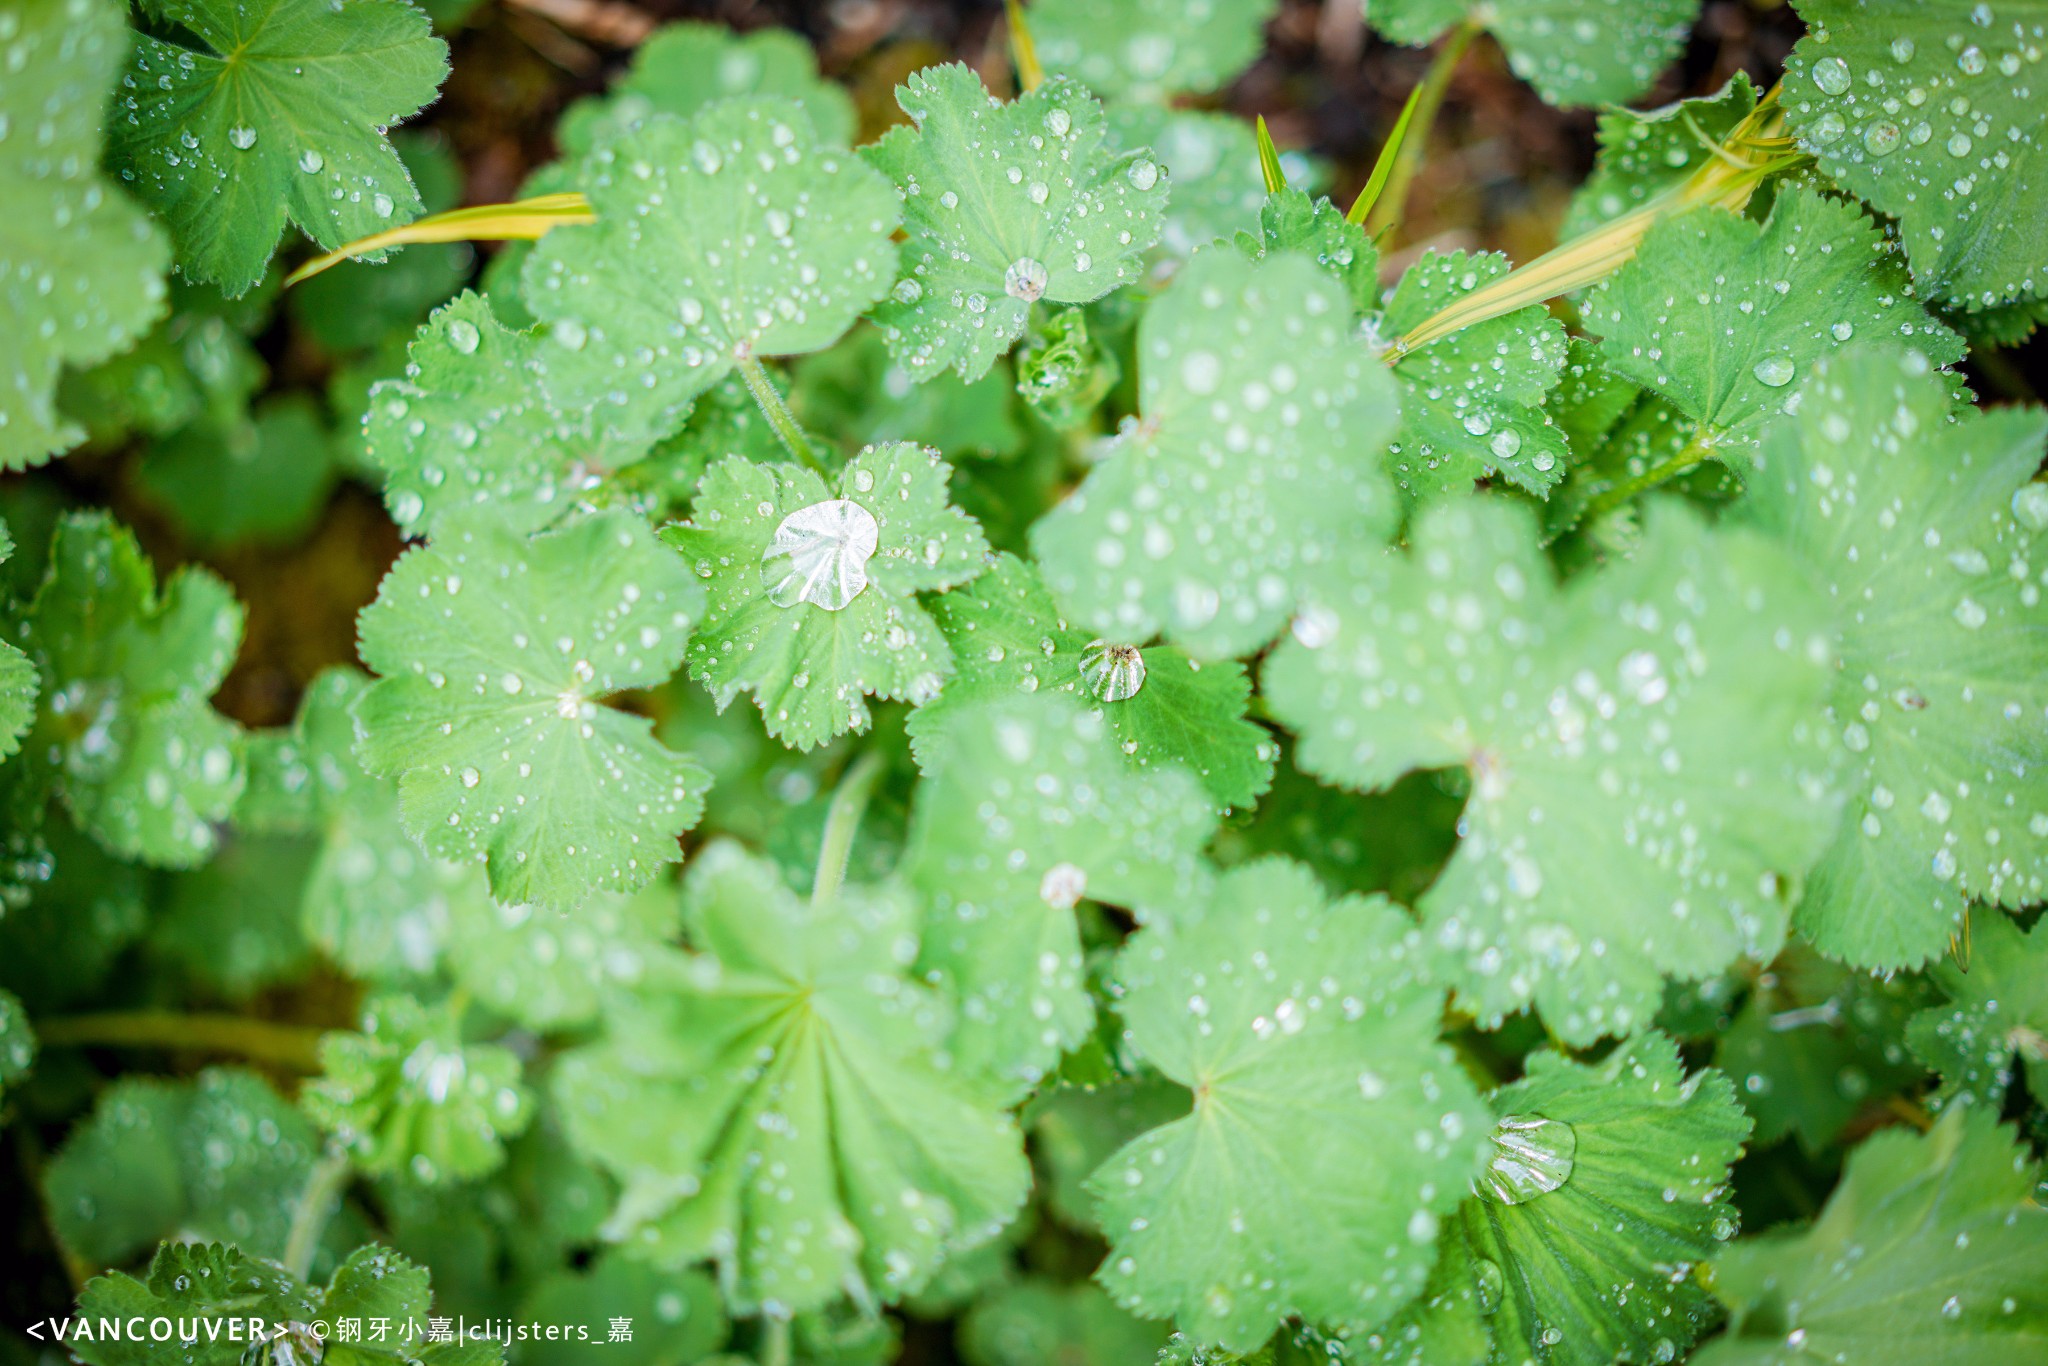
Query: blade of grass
[
  {"x": 1383, "y": 169},
  {"x": 1023, "y": 51},
  {"x": 1429, "y": 98},
  {"x": 1269, "y": 160},
  {"x": 524, "y": 219}
]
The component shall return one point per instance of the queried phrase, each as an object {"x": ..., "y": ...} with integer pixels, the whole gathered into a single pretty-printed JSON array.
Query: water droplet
[
  {"x": 1775, "y": 371},
  {"x": 1025, "y": 279},
  {"x": 1113, "y": 673},
  {"x": 1506, "y": 442},
  {"x": 242, "y": 137},
  {"x": 1902, "y": 50},
  {"x": 311, "y": 161},
  {"x": 1489, "y": 1284},
  {"x": 1063, "y": 886},
  {"x": 1144, "y": 174},
  {"x": 2030, "y": 506},
  {"x": 1831, "y": 74},
  {"x": 1532, "y": 1156},
  {"x": 1971, "y": 60},
  {"x": 1057, "y": 122},
  {"x": 1882, "y": 138},
  {"x": 382, "y": 204},
  {"x": 1828, "y": 128},
  {"x": 820, "y": 554},
  {"x": 470, "y": 777},
  {"x": 463, "y": 336},
  {"x": 1959, "y": 145}
]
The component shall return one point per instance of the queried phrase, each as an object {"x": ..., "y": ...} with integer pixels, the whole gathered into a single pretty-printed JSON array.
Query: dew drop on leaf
[
  {"x": 820, "y": 555},
  {"x": 1775, "y": 371},
  {"x": 1531, "y": 1156},
  {"x": 1113, "y": 673},
  {"x": 242, "y": 136}
]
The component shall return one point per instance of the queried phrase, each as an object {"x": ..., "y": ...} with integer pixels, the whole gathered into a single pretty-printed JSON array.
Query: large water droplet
[
  {"x": 1532, "y": 1156},
  {"x": 242, "y": 137},
  {"x": 1902, "y": 49},
  {"x": 1489, "y": 1284},
  {"x": 820, "y": 555},
  {"x": 463, "y": 336},
  {"x": 1144, "y": 174},
  {"x": 1831, "y": 74},
  {"x": 1025, "y": 279},
  {"x": 1882, "y": 138},
  {"x": 1775, "y": 371},
  {"x": 311, "y": 161},
  {"x": 2030, "y": 506},
  {"x": 1112, "y": 673}
]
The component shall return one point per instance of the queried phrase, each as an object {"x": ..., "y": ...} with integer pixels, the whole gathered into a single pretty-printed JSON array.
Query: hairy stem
[
  {"x": 1393, "y": 200},
  {"x": 316, "y": 1203},
  {"x": 778, "y": 414},
  {"x": 293, "y": 1046},
  {"x": 842, "y": 820},
  {"x": 1695, "y": 453}
]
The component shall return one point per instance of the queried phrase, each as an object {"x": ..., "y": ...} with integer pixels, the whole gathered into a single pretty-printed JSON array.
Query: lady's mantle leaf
[
  {"x": 1330, "y": 1129},
  {"x": 774, "y": 1102},
  {"x": 1649, "y": 766},
  {"x": 1996, "y": 1015},
  {"x": 814, "y": 590},
  {"x": 479, "y": 419},
  {"x": 1472, "y": 402},
  {"x": 1933, "y": 1248},
  {"x": 684, "y": 67},
  {"x": 1720, "y": 315},
  {"x": 1605, "y": 1185},
  {"x": 1158, "y": 706},
  {"x": 1214, "y": 161},
  {"x": 496, "y": 651},
  {"x": 730, "y": 236},
  {"x": 1256, "y": 458},
  {"x": 1149, "y": 49},
  {"x": 1925, "y": 533},
  {"x": 1005, "y": 204},
  {"x": 81, "y": 269},
  {"x": 408, "y": 1095},
  {"x": 124, "y": 733},
  {"x": 280, "y": 109},
  {"x": 1024, "y": 812},
  {"x": 1573, "y": 51},
  {"x": 1644, "y": 152},
  {"x": 1934, "y": 112}
]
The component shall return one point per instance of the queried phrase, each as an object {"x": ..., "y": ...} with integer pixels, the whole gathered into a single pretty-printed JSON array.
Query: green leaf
[
  {"x": 1721, "y": 315},
  {"x": 496, "y": 652},
  {"x": 373, "y": 901},
  {"x": 1026, "y": 809},
  {"x": 1817, "y": 1044},
  {"x": 1996, "y": 1015},
  {"x": 776, "y": 1101},
  {"x": 195, "y": 365},
  {"x": 264, "y": 481},
  {"x": 18, "y": 683},
  {"x": 1214, "y": 161},
  {"x": 1575, "y": 52},
  {"x": 1158, "y": 706},
  {"x": 734, "y": 235},
  {"x": 1004, "y": 205},
  {"x": 1930, "y": 1249},
  {"x": 82, "y": 909},
  {"x": 1605, "y": 1185},
  {"x": 1293, "y": 221},
  {"x": 1650, "y": 775},
  {"x": 272, "y": 109},
  {"x": 675, "y": 1318},
  {"x": 480, "y": 420},
  {"x": 547, "y": 969},
  {"x": 1922, "y": 528},
  {"x": 1933, "y": 114},
  {"x": 1308, "y": 1036},
  {"x": 220, "y": 1156},
  {"x": 1075, "y": 1129},
  {"x": 1038, "y": 1321},
  {"x": 1646, "y": 152},
  {"x": 1472, "y": 402},
  {"x": 407, "y": 1094},
  {"x": 1149, "y": 49},
  {"x": 857, "y": 396},
  {"x": 1255, "y": 459},
  {"x": 81, "y": 269},
  {"x": 232, "y": 923},
  {"x": 209, "y": 1286},
  {"x": 17, "y": 1040},
  {"x": 683, "y": 67},
  {"x": 124, "y": 734},
  {"x": 813, "y": 589}
]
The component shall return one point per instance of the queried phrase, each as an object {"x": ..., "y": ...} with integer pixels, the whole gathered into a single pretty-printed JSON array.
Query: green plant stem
[
  {"x": 778, "y": 414},
  {"x": 293, "y": 1046},
  {"x": 323, "y": 1186},
  {"x": 1393, "y": 200},
  {"x": 842, "y": 820},
  {"x": 774, "y": 1342},
  {"x": 1694, "y": 454}
]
